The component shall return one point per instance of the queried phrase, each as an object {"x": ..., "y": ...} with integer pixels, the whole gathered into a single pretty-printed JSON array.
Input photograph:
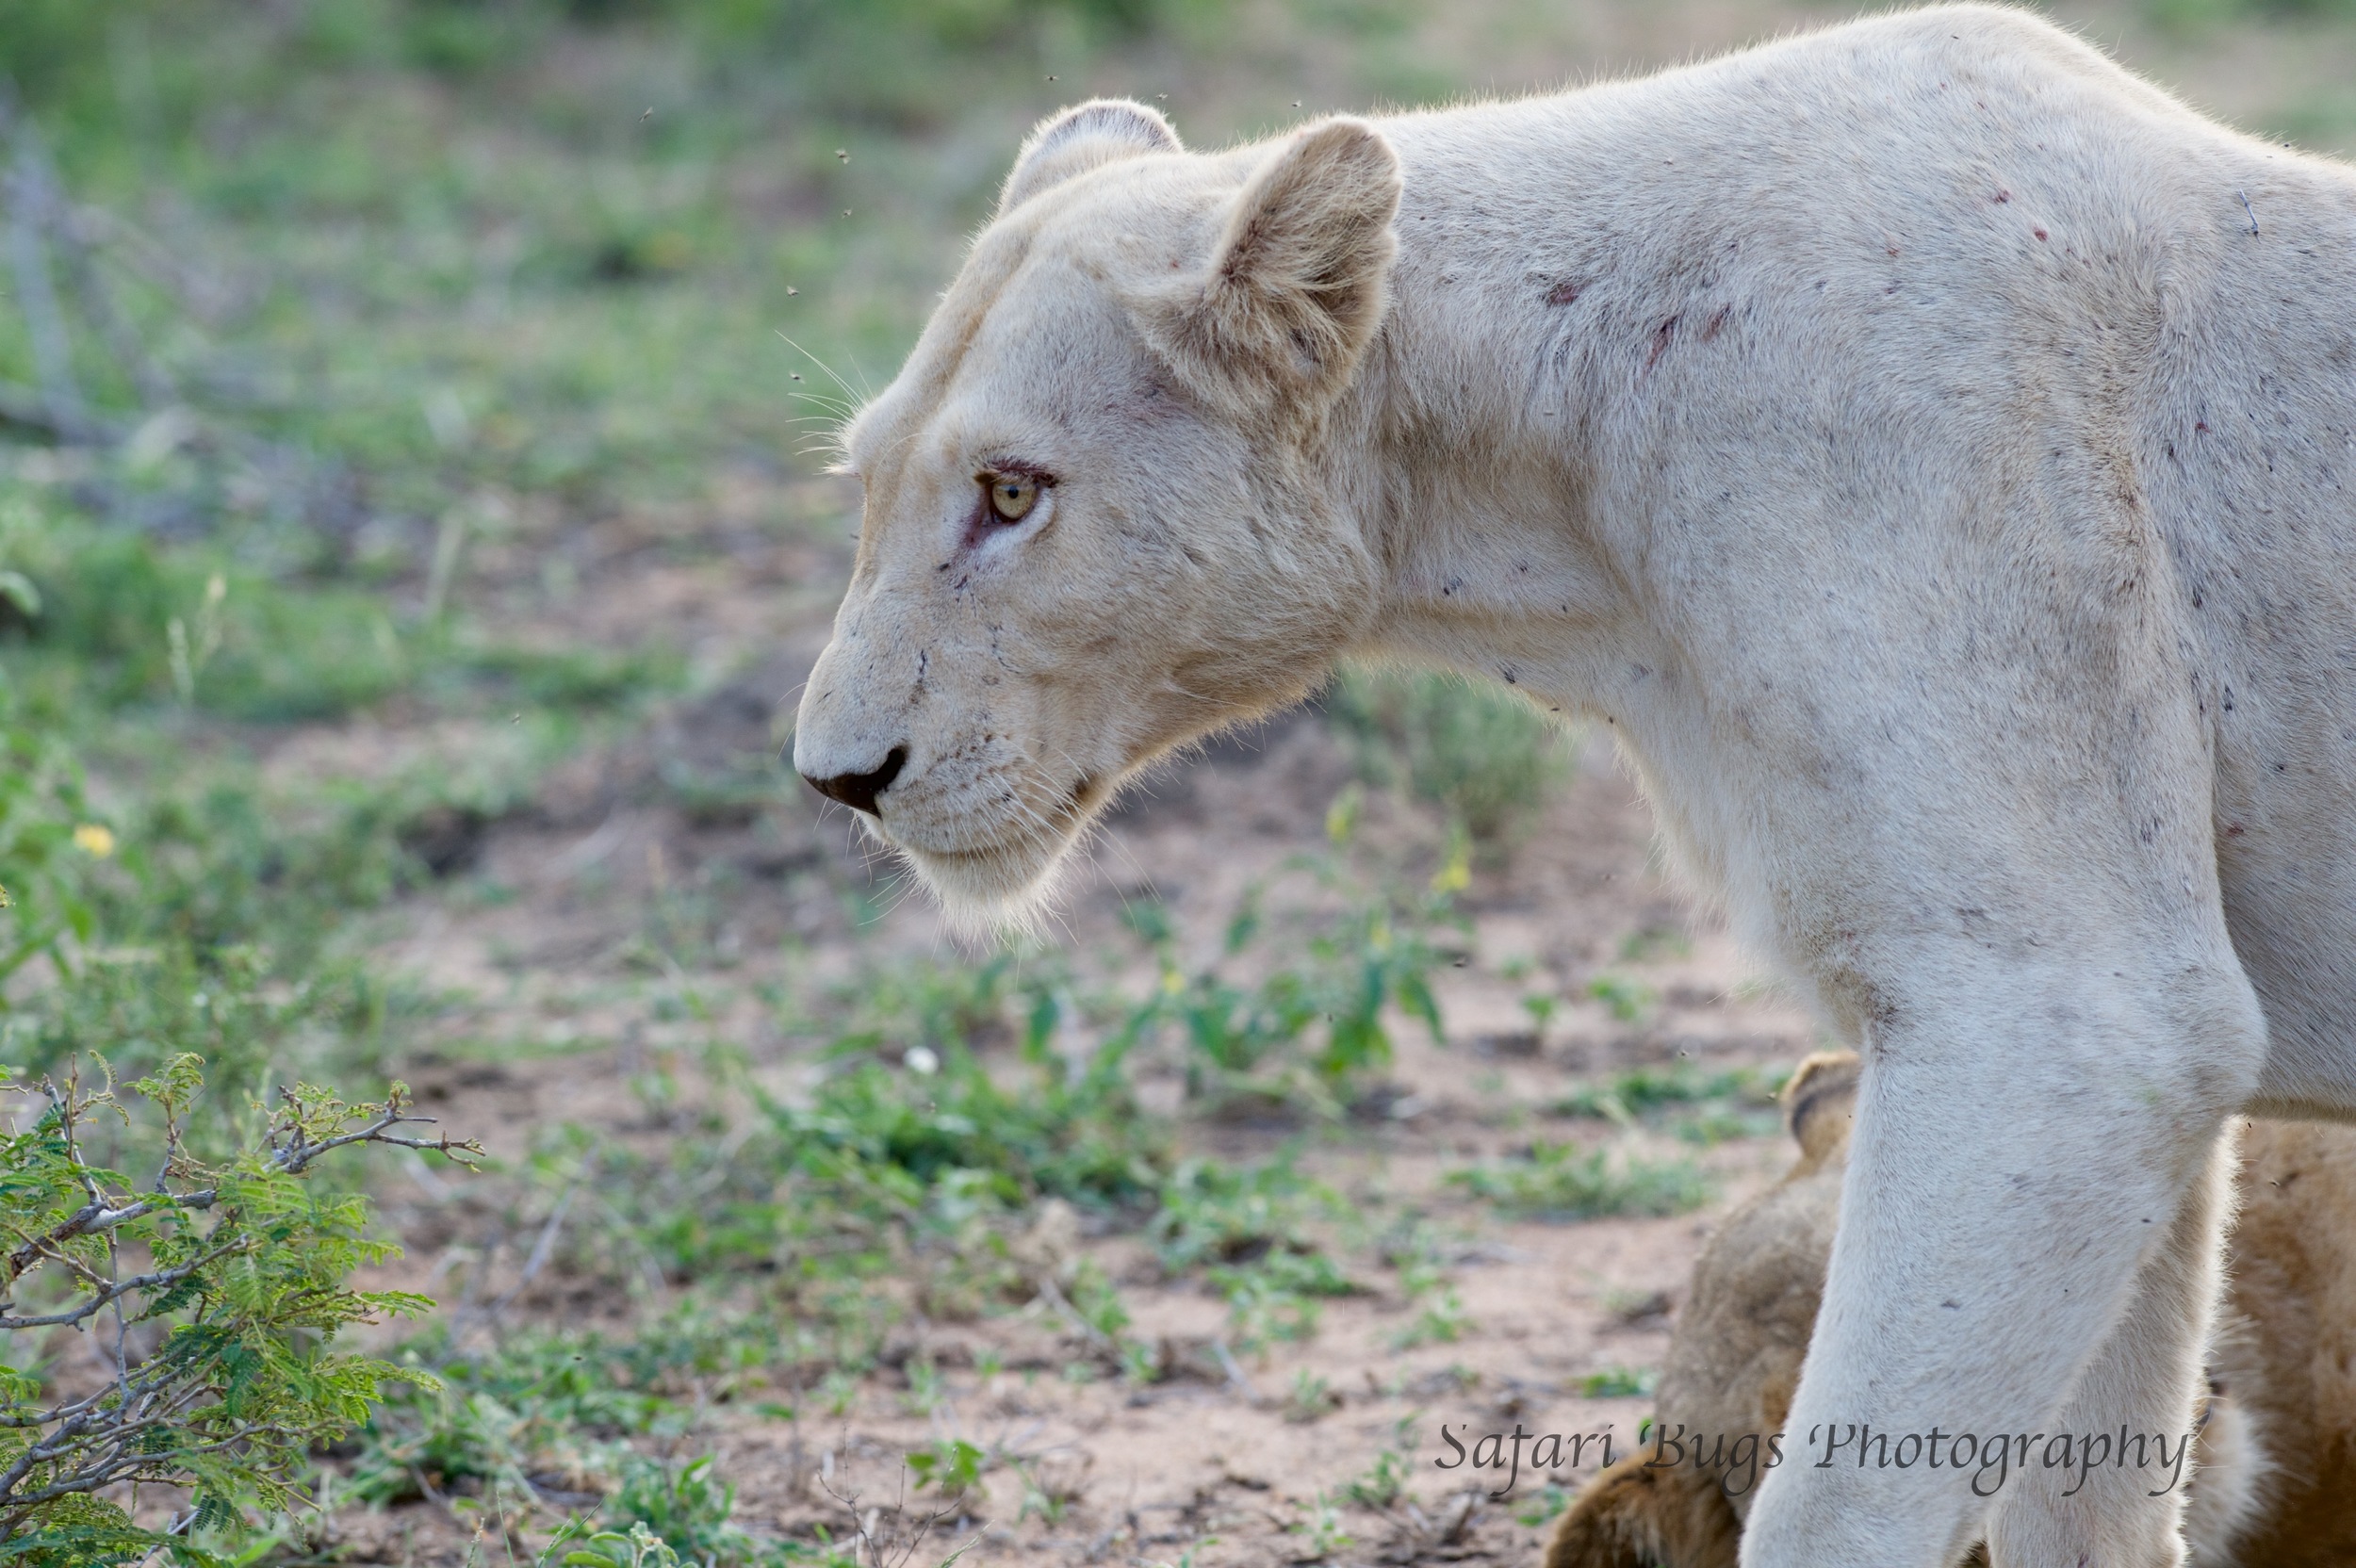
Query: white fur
[{"x": 1897, "y": 436}]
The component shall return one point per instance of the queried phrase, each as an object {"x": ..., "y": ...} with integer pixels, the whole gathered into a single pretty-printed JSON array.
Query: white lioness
[
  {"x": 2273, "y": 1457},
  {"x": 1929, "y": 448}
]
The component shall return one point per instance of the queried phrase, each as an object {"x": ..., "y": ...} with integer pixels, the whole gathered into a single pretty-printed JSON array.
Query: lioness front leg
[
  {"x": 1977, "y": 1281},
  {"x": 2132, "y": 1415}
]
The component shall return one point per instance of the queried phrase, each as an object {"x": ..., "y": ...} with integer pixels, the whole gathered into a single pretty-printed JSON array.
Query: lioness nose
[{"x": 859, "y": 790}]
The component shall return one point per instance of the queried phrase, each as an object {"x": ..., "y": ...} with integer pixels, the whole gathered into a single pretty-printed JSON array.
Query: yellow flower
[{"x": 95, "y": 839}]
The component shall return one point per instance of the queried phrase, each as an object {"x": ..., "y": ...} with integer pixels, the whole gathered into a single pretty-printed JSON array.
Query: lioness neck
[{"x": 1468, "y": 445}]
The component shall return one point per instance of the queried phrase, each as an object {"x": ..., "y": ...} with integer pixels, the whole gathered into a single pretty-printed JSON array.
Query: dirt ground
[{"x": 554, "y": 1000}]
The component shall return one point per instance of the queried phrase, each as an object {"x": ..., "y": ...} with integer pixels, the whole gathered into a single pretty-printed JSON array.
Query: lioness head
[{"x": 1098, "y": 519}]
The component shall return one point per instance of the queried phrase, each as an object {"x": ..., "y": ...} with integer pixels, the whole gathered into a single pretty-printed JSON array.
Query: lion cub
[{"x": 2276, "y": 1449}]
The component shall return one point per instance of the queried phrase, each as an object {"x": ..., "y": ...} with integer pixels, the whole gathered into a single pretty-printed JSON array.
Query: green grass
[
  {"x": 1617, "y": 1382},
  {"x": 253, "y": 648},
  {"x": 1263, "y": 1236},
  {"x": 1701, "y": 1107},
  {"x": 1481, "y": 753},
  {"x": 1559, "y": 1181}
]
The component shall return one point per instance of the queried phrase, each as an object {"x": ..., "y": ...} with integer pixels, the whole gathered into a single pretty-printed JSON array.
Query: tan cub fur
[{"x": 2275, "y": 1461}]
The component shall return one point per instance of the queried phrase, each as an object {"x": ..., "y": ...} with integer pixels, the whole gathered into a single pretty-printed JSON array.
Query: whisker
[
  {"x": 839, "y": 407},
  {"x": 860, "y": 392}
]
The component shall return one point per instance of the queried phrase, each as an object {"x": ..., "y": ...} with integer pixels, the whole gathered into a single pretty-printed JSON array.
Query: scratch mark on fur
[{"x": 1660, "y": 337}]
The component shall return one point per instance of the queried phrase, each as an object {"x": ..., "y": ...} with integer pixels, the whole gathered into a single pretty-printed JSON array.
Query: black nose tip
[{"x": 859, "y": 790}]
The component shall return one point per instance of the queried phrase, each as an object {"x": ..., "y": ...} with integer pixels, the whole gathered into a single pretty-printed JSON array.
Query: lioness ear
[
  {"x": 1296, "y": 281},
  {"x": 1819, "y": 1103},
  {"x": 1078, "y": 139}
]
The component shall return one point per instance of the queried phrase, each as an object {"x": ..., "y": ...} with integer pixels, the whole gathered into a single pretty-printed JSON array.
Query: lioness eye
[{"x": 1012, "y": 495}]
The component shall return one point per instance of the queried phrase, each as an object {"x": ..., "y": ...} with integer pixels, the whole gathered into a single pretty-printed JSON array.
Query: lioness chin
[{"x": 1927, "y": 447}]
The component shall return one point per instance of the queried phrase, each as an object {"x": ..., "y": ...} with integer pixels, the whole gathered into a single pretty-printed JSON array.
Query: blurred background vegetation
[
  {"x": 342, "y": 339},
  {"x": 388, "y": 281}
]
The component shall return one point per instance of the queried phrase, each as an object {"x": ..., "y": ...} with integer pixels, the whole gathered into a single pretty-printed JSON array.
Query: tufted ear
[
  {"x": 1081, "y": 138},
  {"x": 1819, "y": 1103},
  {"x": 1633, "y": 1514},
  {"x": 1294, "y": 283}
]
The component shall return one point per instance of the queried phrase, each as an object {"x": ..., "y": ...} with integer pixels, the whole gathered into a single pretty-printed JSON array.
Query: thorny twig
[
  {"x": 151, "y": 1419},
  {"x": 874, "y": 1546},
  {"x": 290, "y": 1157}
]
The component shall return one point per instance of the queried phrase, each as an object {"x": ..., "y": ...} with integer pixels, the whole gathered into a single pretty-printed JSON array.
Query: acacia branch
[
  {"x": 117, "y": 1290},
  {"x": 290, "y": 1159},
  {"x": 116, "y": 1466},
  {"x": 155, "y": 1420}
]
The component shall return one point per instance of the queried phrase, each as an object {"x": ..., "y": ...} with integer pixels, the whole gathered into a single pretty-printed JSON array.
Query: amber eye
[{"x": 1012, "y": 495}]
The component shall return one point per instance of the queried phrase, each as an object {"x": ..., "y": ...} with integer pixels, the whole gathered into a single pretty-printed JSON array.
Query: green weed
[
  {"x": 1311, "y": 1399},
  {"x": 1617, "y": 1382},
  {"x": 1253, "y": 1230},
  {"x": 1557, "y": 1182},
  {"x": 49, "y": 844},
  {"x": 1440, "y": 1319},
  {"x": 952, "y": 1466},
  {"x": 1258, "y": 1044},
  {"x": 1483, "y": 754},
  {"x": 1382, "y": 1485},
  {"x": 1322, "y": 1528},
  {"x": 1629, "y": 1000},
  {"x": 686, "y": 1506},
  {"x": 1705, "y": 1109},
  {"x": 1212, "y": 1212},
  {"x": 1414, "y": 1248},
  {"x": 537, "y": 1413}
]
